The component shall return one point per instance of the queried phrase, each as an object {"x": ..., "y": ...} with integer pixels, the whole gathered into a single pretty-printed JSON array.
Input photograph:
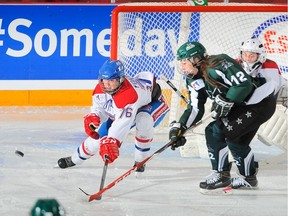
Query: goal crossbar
[{"x": 181, "y": 9}]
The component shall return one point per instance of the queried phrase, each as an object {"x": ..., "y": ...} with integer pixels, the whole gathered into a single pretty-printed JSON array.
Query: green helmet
[
  {"x": 45, "y": 207},
  {"x": 190, "y": 50}
]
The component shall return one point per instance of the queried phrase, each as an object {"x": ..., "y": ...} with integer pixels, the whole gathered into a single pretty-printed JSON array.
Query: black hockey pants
[{"x": 236, "y": 131}]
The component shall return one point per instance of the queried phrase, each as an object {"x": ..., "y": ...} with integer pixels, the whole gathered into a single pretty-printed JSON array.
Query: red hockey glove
[
  {"x": 91, "y": 123},
  {"x": 109, "y": 146}
]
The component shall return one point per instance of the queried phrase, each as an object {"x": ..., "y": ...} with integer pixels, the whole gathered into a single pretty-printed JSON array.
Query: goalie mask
[
  {"x": 45, "y": 207},
  {"x": 253, "y": 45},
  {"x": 111, "y": 70}
]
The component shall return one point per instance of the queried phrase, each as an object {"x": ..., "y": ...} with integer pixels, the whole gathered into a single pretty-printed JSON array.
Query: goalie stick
[
  {"x": 174, "y": 88},
  {"x": 120, "y": 178}
]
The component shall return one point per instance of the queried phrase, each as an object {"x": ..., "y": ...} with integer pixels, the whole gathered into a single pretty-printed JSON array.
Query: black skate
[
  {"x": 216, "y": 183},
  {"x": 246, "y": 182},
  {"x": 139, "y": 170},
  {"x": 65, "y": 162}
]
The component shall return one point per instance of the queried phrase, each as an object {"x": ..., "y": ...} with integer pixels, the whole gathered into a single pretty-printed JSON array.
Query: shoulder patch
[
  {"x": 270, "y": 64},
  {"x": 198, "y": 84},
  {"x": 126, "y": 95}
]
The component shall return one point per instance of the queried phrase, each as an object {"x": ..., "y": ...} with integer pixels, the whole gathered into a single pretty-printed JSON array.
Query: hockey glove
[
  {"x": 221, "y": 107},
  {"x": 175, "y": 135},
  {"x": 91, "y": 123},
  {"x": 109, "y": 146}
]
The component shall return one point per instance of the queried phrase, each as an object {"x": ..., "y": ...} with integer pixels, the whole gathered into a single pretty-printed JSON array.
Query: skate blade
[
  {"x": 220, "y": 191},
  {"x": 56, "y": 166},
  {"x": 246, "y": 188},
  {"x": 139, "y": 175}
]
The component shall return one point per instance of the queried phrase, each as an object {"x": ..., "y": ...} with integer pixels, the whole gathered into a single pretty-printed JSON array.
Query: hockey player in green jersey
[{"x": 240, "y": 103}]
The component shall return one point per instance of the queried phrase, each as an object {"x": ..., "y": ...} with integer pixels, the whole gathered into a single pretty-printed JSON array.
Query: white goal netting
[{"x": 146, "y": 36}]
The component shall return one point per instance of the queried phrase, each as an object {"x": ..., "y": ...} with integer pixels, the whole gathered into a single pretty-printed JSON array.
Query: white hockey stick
[{"x": 174, "y": 88}]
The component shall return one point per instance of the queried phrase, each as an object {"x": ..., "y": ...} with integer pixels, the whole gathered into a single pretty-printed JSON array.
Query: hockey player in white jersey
[
  {"x": 120, "y": 103},
  {"x": 252, "y": 58}
]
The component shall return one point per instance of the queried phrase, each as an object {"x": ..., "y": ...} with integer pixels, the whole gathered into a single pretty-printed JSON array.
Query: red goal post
[{"x": 146, "y": 36}]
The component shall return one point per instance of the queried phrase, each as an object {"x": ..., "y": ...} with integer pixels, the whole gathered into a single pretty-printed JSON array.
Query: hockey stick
[
  {"x": 103, "y": 175},
  {"x": 91, "y": 125},
  {"x": 102, "y": 178},
  {"x": 174, "y": 88},
  {"x": 170, "y": 143}
]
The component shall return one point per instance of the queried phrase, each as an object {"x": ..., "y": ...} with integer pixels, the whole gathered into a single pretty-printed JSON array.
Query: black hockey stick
[
  {"x": 113, "y": 183},
  {"x": 174, "y": 88},
  {"x": 102, "y": 178},
  {"x": 103, "y": 175},
  {"x": 103, "y": 172}
]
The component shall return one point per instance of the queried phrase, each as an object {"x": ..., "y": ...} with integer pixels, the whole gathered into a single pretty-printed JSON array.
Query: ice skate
[
  {"x": 246, "y": 182},
  {"x": 139, "y": 171},
  {"x": 216, "y": 183},
  {"x": 65, "y": 162}
]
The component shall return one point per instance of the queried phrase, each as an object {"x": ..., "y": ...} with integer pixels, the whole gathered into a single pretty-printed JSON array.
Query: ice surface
[{"x": 169, "y": 185}]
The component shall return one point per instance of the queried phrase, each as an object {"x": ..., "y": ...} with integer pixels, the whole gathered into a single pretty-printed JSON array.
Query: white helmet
[{"x": 253, "y": 45}]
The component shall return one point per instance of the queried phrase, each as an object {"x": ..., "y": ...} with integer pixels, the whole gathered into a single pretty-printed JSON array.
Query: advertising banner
[{"x": 51, "y": 47}]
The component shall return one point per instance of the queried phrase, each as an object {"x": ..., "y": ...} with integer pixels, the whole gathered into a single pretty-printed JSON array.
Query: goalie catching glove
[
  {"x": 91, "y": 123},
  {"x": 109, "y": 147},
  {"x": 221, "y": 107},
  {"x": 176, "y": 135}
]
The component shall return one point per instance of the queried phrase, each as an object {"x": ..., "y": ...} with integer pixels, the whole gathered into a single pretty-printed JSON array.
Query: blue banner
[{"x": 53, "y": 42}]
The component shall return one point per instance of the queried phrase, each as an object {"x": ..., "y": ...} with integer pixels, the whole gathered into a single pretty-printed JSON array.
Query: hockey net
[{"x": 146, "y": 36}]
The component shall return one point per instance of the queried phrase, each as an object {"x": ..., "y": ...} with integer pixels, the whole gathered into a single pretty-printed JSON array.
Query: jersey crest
[{"x": 225, "y": 64}]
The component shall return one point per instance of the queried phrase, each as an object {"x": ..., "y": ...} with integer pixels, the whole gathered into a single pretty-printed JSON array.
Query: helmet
[
  {"x": 47, "y": 207},
  {"x": 253, "y": 45},
  {"x": 111, "y": 70},
  {"x": 190, "y": 50}
]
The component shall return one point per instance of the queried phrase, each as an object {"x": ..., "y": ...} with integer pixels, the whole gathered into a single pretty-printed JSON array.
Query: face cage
[{"x": 111, "y": 92}]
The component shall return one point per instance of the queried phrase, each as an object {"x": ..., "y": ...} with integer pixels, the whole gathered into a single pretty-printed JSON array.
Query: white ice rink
[{"x": 169, "y": 186}]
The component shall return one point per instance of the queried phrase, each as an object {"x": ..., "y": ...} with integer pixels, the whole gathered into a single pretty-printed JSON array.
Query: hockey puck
[{"x": 19, "y": 153}]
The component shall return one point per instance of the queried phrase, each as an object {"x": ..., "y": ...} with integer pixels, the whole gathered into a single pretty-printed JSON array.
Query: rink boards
[{"x": 50, "y": 54}]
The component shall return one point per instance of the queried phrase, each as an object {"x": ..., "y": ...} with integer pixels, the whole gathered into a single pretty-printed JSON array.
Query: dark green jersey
[
  {"x": 197, "y": 96},
  {"x": 235, "y": 84}
]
